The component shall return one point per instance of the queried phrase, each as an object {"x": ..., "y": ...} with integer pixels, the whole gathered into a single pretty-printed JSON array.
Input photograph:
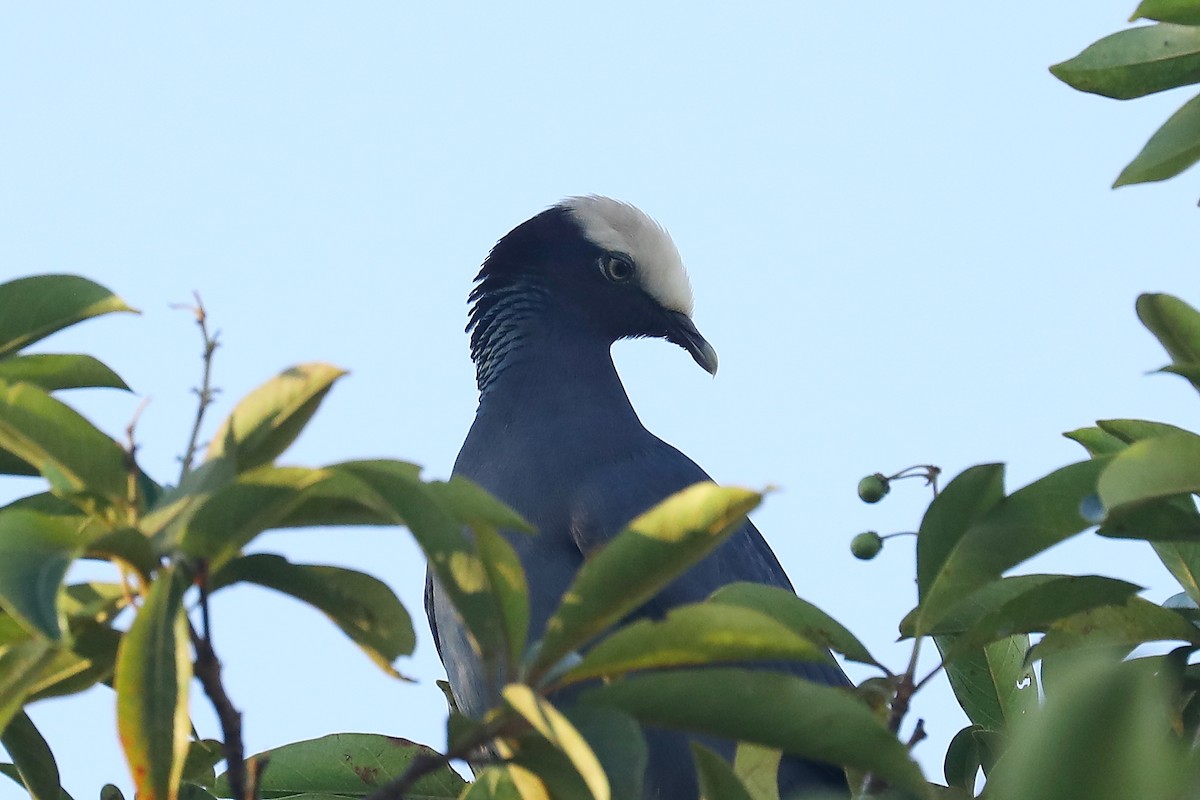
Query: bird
[{"x": 556, "y": 438}]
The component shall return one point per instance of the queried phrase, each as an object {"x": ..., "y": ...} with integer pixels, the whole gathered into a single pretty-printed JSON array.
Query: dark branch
[{"x": 205, "y": 393}]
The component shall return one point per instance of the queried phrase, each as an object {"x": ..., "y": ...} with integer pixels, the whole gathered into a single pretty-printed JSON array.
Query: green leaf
[
  {"x": 1173, "y": 148},
  {"x": 32, "y": 758},
  {"x": 363, "y": 607},
  {"x": 1032, "y": 519},
  {"x": 202, "y": 756},
  {"x": 558, "y": 731},
  {"x": 20, "y": 664},
  {"x": 506, "y": 578},
  {"x": 1026, "y": 604},
  {"x": 348, "y": 764},
  {"x": 33, "y": 308},
  {"x": 54, "y": 372},
  {"x": 1096, "y": 441},
  {"x": 694, "y": 635},
  {"x": 453, "y": 558},
  {"x": 1105, "y": 736},
  {"x": 1135, "y": 622},
  {"x": 1135, "y": 62},
  {"x": 91, "y": 659},
  {"x": 1181, "y": 12},
  {"x": 717, "y": 779},
  {"x": 992, "y": 683},
  {"x": 154, "y": 670},
  {"x": 473, "y": 506},
  {"x": 233, "y": 516},
  {"x": 618, "y": 743},
  {"x": 757, "y": 767},
  {"x": 167, "y": 519},
  {"x": 12, "y": 465},
  {"x": 35, "y": 551},
  {"x": 1150, "y": 469},
  {"x": 801, "y": 616},
  {"x": 1174, "y": 323},
  {"x": 67, "y": 449},
  {"x": 797, "y": 716},
  {"x": 652, "y": 551},
  {"x": 494, "y": 783},
  {"x": 966, "y": 499},
  {"x": 964, "y": 757},
  {"x": 342, "y": 499},
  {"x": 1134, "y": 430},
  {"x": 269, "y": 419},
  {"x": 1182, "y": 560}
]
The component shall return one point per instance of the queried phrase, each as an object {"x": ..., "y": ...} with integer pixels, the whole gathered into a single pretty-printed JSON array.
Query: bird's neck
[{"x": 548, "y": 362}]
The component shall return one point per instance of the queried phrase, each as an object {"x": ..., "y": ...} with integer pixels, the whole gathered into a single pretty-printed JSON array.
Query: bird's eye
[{"x": 617, "y": 269}]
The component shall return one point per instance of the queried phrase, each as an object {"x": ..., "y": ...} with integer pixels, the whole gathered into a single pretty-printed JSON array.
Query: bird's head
[{"x": 607, "y": 266}]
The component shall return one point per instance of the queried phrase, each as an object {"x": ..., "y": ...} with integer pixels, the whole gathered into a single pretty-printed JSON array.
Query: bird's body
[{"x": 556, "y": 438}]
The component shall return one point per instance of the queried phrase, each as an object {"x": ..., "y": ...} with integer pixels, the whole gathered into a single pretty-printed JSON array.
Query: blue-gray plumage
[{"x": 556, "y": 438}]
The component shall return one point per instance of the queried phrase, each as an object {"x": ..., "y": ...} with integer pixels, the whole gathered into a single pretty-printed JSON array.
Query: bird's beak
[{"x": 682, "y": 331}]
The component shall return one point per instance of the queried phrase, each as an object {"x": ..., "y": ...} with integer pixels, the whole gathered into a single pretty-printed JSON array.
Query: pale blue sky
[{"x": 898, "y": 227}]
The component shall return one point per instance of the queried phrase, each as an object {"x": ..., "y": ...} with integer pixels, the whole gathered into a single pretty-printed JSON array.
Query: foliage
[
  {"x": 1112, "y": 724},
  {"x": 1141, "y": 61}
]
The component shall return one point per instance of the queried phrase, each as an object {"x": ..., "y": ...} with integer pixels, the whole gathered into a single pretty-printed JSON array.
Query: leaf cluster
[{"x": 1144, "y": 60}]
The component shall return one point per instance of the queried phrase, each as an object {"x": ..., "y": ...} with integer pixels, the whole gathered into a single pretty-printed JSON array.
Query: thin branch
[
  {"x": 917, "y": 735},
  {"x": 898, "y": 708},
  {"x": 206, "y": 392},
  {"x": 131, "y": 467},
  {"x": 208, "y": 672}
]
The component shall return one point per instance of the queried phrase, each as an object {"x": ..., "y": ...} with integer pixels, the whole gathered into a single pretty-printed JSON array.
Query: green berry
[
  {"x": 872, "y": 488},
  {"x": 866, "y": 545}
]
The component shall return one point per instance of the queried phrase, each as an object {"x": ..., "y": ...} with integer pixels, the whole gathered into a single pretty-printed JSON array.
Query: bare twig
[
  {"x": 206, "y": 392},
  {"x": 917, "y": 735},
  {"x": 208, "y": 672},
  {"x": 905, "y": 687},
  {"x": 131, "y": 448}
]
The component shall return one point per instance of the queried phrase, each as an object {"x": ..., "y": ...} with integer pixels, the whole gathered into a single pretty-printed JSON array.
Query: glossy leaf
[
  {"x": 558, "y": 731},
  {"x": 1027, "y": 522},
  {"x": 717, "y": 778},
  {"x": 506, "y": 578},
  {"x": 618, "y": 743},
  {"x": 992, "y": 683},
  {"x": 1135, "y": 62},
  {"x": 20, "y": 664},
  {"x": 32, "y": 758},
  {"x": 35, "y": 551},
  {"x": 52, "y": 372},
  {"x": 67, "y": 449},
  {"x": 363, "y": 607},
  {"x": 801, "y": 616},
  {"x": 1096, "y": 441},
  {"x": 1167, "y": 519},
  {"x": 91, "y": 659},
  {"x": 773, "y": 709},
  {"x": 694, "y": 635},
  {"x": 452, "y": 556},
  {"x": 966, "y": 499},
  {"x": 1105, "y": 736},
  {"x": 233, "y": 516},
  {"x": 1173, "y": 148},
  {"x": 341, "y": 499},
  {"x": 1130, "y": 624},
  {"x": 1174, "y": 323},
  {"x": 266, "y": 421},
  {"x": 1026, "y": 604},
  {"x": 202, "y": 757},
  {"x": 10, "y": 464},
  {"x": 1182, "y": 560},
  {"x": 167, "y": 519},
  {"x": 471, "y": 505},
  {"x": 1181, "y": 12},
  {"x": 348, "y": 764},
  {"x": 757, "y": 767},
  {"x": 1134, "y": 430},
  {"x": 652, "y": 551},
  {"x": 1150, "y": 469},
  {"x": 33, "y": 308},
  {"x": 154, "y": 670}
]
